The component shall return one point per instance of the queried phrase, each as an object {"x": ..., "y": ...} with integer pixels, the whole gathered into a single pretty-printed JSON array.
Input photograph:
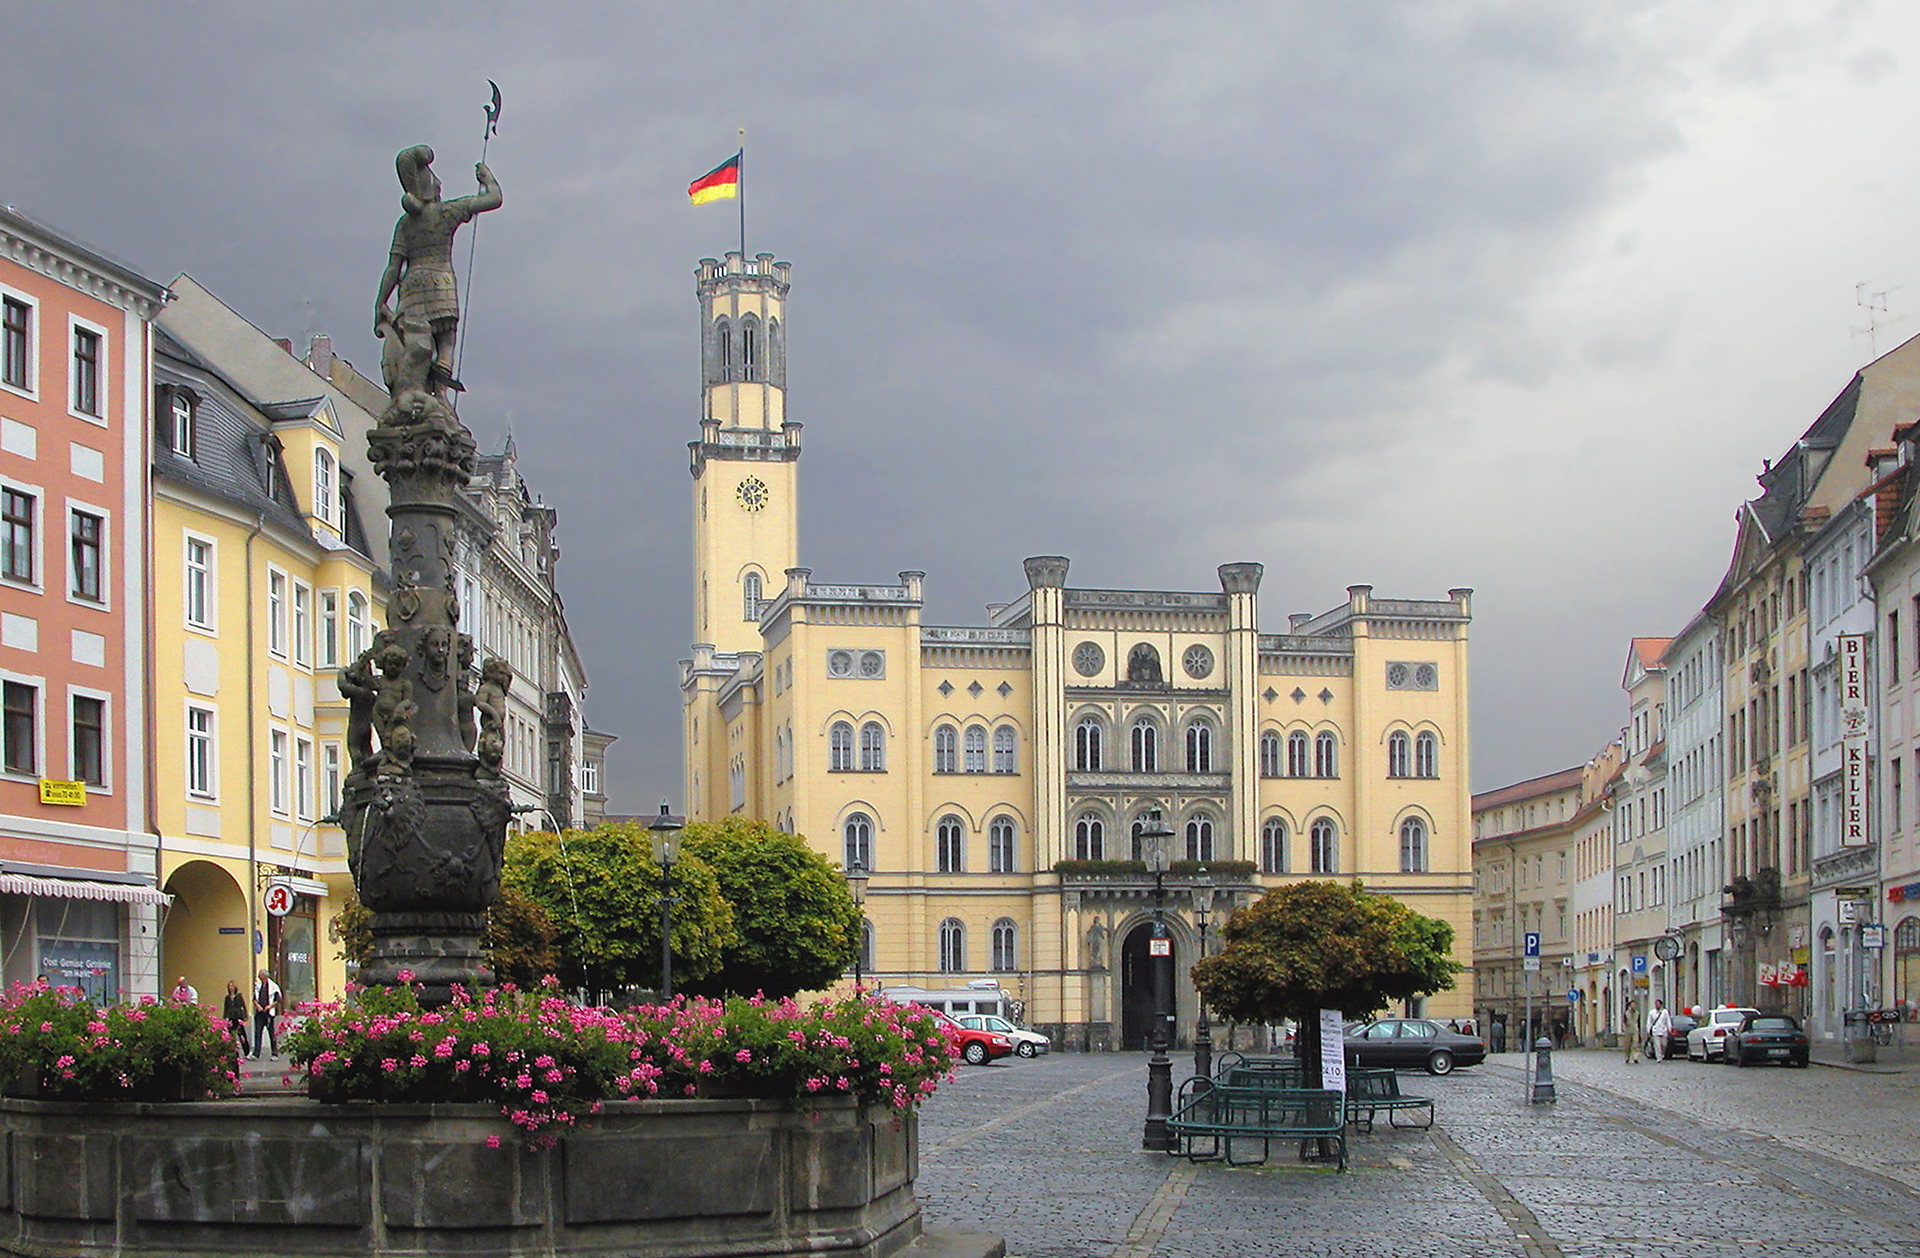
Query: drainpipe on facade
[{"x": 255, "y": 951}]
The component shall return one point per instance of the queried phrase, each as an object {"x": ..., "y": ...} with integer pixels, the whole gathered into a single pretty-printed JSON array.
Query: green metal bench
[
  {"x": 1371, "y": 1091},
  {"x": 1220, "y": 1113}
]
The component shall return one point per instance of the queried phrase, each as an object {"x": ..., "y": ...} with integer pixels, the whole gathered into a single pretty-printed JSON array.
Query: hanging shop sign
[{"x": 1855, "y": 720}]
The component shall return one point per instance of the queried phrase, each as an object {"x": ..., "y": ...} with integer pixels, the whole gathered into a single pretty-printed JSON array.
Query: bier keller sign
[{"x": 1854, "y": 722}]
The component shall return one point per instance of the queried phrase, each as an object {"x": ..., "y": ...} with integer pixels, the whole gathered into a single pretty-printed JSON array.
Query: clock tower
[{"x": 745, "y": 464}]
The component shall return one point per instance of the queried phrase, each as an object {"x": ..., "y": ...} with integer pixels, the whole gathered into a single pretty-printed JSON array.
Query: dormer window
[
  {"x": 180, "y": 426},
  {"x": 323, "y": 490}
]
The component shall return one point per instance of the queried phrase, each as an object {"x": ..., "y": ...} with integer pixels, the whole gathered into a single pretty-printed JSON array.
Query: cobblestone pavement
[{"x": 1046, "y": 1153}]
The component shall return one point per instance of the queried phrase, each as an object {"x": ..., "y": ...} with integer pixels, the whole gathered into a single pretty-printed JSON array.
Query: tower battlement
[{"x": 738, "y": 273}]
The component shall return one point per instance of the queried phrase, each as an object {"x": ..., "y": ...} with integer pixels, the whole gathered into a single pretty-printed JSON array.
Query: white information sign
[
  {"x": 1333, "y": 1051},
  {"x": 279, "y": 899},
  {"x": 1855, "y": 720}
]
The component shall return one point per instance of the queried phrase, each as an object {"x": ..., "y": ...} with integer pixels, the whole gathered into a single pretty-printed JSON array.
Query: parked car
[
  {"x": 1412, "y": 1043},
  {"x": 1768, "y": 1037},
  {"x": 977, "y": 1048},
  {"x": 1708, "y": 1039},
  {"x": 1026, "y": 1043},
  {"x": 1676, "y": 1043}
]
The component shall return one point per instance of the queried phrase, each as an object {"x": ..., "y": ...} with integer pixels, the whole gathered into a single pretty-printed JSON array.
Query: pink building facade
[{"x": 78, "y": 850}]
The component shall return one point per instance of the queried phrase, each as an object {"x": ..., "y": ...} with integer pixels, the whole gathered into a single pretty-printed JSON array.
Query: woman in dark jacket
[{"x": 234, "y": 1010}]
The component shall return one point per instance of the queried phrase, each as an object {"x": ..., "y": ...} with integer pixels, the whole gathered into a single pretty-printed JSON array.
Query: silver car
[
  {"x": 1025, "y": 1043},
  {"x": 1708, "y": 1040}
]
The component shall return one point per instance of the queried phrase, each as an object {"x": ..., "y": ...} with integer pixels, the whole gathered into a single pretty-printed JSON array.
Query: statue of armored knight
[{"x": 420, "y": 264}]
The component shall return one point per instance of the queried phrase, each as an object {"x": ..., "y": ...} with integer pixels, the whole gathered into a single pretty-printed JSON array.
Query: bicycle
[{"x": 1880, "y": 1025}]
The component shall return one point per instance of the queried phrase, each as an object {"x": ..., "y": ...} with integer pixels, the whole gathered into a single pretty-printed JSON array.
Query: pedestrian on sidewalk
[
  {"x": 1659, "y": 1027},
  {"x": 234, "y": 1010},
  {"x": 186, "y": 993},
  {"x": 266, "y": 1007},
  {"x": 1629, "y": 1025}
]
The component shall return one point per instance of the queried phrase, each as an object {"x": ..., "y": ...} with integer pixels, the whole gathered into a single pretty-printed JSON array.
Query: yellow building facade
[
  {"x": 995, "y": 778},
  {"x": 263, "y": 588}
]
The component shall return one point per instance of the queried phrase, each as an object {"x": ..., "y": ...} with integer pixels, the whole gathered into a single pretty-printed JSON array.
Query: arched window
[
  {"x": 1003, "y": 954},
  {"x": 1413, "y": 846},
  {"x": 750, "y": 597},
  {"x": 1005, "y": 754},
  {"x": 323, "y": 491},
  {"x": 1426, "y": 755},
  {"x": 946, "y": 749},
  {"x": 779, "y": 755},
  {"x": 1273, "y": 846},
  {"x": 359, "y": 629},
  {"x": 858, "y": 833},
  {"x": 1326, "y": 755},
  {"x": 952, "y": 845},
  {"x": 1086, "y": 745},
  {"x": 776, "y": 352},
  {"x": 1270, "y": 755},
  {"x": 953, "y": 947},
  {"x": 840, "y": 747},
  {"x": 976, "y": 749},
  {"x": 1146, "y": 746},
  {"x": 866, "y": 946},
  {"x": 1199, "y": 747},
  {"x": 1089, "y": 838},
  {"x": 1297, "y": 754},
  {"x": 181, "y": 437},
  {"x": 873, "y": 748},
  {"x": 1001, "y": 857},
  {"x": 749, "y": 349},
  {"x": 1200, "y": 838},
  {"x": 1325, "y": 842},
  {"x": 723, "y": 347},
  {"x": 1399, "y": 755}
]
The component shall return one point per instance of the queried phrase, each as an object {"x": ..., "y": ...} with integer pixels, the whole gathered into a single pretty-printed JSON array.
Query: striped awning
[{"x": 82, "y": 889}]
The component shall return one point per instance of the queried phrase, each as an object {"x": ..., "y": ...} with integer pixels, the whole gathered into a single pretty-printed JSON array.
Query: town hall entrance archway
[{"x": 1136, "y": 987}]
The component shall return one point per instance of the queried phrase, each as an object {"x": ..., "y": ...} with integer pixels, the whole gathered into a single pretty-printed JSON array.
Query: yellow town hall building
[{"x": 994, "y": 778}]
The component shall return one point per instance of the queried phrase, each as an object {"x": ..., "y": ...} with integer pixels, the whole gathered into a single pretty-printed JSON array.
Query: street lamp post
[
  {"x": 1155, "y": 1135},
  {"x": 1203, "y": 904},
  {"x": 665, "y": 832},
  {"x": 857, "y": 886}
]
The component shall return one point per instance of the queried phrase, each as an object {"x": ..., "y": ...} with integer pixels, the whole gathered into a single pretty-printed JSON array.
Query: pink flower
[
  {"x": 743, "y": 1056},
  {"x": 493, "y": 1142}
]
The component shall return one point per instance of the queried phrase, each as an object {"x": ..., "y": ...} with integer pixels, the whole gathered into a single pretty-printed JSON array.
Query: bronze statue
[{"x": 420, "y": 264}]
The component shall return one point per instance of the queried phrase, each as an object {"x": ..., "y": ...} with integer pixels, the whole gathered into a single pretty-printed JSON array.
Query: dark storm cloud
[{"x": 1128, "y": 283}]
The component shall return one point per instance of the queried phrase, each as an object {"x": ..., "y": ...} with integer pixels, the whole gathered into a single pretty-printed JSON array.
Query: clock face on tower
[{"x": 752, "y": 493}]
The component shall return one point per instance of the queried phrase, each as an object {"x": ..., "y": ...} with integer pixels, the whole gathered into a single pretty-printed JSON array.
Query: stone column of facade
[
  {"x": 426, "y": 815},
  {"x": 1241, "y": 581},
  {"x": 1046, "y": 578}
]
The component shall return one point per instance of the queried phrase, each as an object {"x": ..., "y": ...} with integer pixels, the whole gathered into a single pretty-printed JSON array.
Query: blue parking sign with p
[
  {"x": 1532, "y": 944},
  {"x": 1639, "y": 963}
]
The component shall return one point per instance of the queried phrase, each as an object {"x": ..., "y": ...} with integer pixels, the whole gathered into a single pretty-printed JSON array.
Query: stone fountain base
[{"x": 296, "y": 1177}]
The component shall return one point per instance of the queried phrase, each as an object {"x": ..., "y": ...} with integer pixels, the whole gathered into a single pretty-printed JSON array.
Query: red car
[{"x": 977, "y": 1048}]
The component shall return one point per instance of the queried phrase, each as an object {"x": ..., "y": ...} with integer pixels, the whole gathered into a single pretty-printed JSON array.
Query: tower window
[
  {"x": 873, "y": 748},
  {"x": 840, "y": 747},
  {"x": 1005, "y": 755},
  {"x": 1326, "y": 755},
  {"x": 722, "y": 349},
  {"x": 1399, "y": 755},
  {"x": 1273, "y": 846},
  {"x": 946, "y": 749},
  {"x": 1413, "y": 846},
  {"x": 1086, "y": 745},
  {"x": 1199, "y": 747},
  {"x": 750, "y": 597},
  {"x": 1297, "y": 754},
  {"x": 1269, "y": 755},
  {"x": 1145, "y": 746},
  {"x": 1089, "y": 838},
  {"x": 1426, "y": 756},
  {"x": 858, "y": 833},
  {"x": 952, "y": 844},
  {"x": 976, "y": 749},
  {"x": 749, "y": 350},
  {"x": 1325, "y": 841},
  {"x": 1001, "y": 858}
]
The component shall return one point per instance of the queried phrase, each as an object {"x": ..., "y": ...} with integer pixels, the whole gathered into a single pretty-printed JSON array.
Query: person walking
[
  {"x": 1629, "y": 1023},
  {"x": 234, "y": 1010},
  {"x": 266, "y": 1007},
  {"x": 1659, "y": 1027}
]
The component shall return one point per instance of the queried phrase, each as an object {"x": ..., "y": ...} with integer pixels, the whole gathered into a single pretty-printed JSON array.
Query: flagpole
[{"x": 743, "y": 198}]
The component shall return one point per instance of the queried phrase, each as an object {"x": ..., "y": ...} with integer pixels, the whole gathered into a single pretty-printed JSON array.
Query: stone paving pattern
[{"x": 1651, "y": 1160}]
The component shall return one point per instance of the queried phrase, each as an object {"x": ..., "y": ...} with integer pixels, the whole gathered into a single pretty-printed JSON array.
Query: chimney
[
  {"x": 284, "y": 343},
  {"x": 320, "y": 356}
]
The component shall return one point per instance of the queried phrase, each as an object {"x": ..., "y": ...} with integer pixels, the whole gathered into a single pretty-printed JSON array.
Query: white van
[{"x": 980, "y": 996}]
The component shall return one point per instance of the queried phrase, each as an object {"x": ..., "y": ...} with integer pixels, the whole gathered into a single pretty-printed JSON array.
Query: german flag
[{"x": 718, "y": 184}]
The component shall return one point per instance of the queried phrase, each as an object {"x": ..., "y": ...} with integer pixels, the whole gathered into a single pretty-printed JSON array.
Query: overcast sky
[{"x": 1514, "y": 296}]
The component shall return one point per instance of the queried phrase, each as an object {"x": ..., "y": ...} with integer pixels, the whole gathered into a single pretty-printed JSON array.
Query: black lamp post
[
  {"x": 665, "y": 832},
  {"x": 1155, "y": 1135},
  {"x": 1203, "y": 902},
  {"x": 857, "y": 886}
]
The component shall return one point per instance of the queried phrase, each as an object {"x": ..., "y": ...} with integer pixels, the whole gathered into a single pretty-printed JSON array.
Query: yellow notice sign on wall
[{"x": 66, "y": 794}]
